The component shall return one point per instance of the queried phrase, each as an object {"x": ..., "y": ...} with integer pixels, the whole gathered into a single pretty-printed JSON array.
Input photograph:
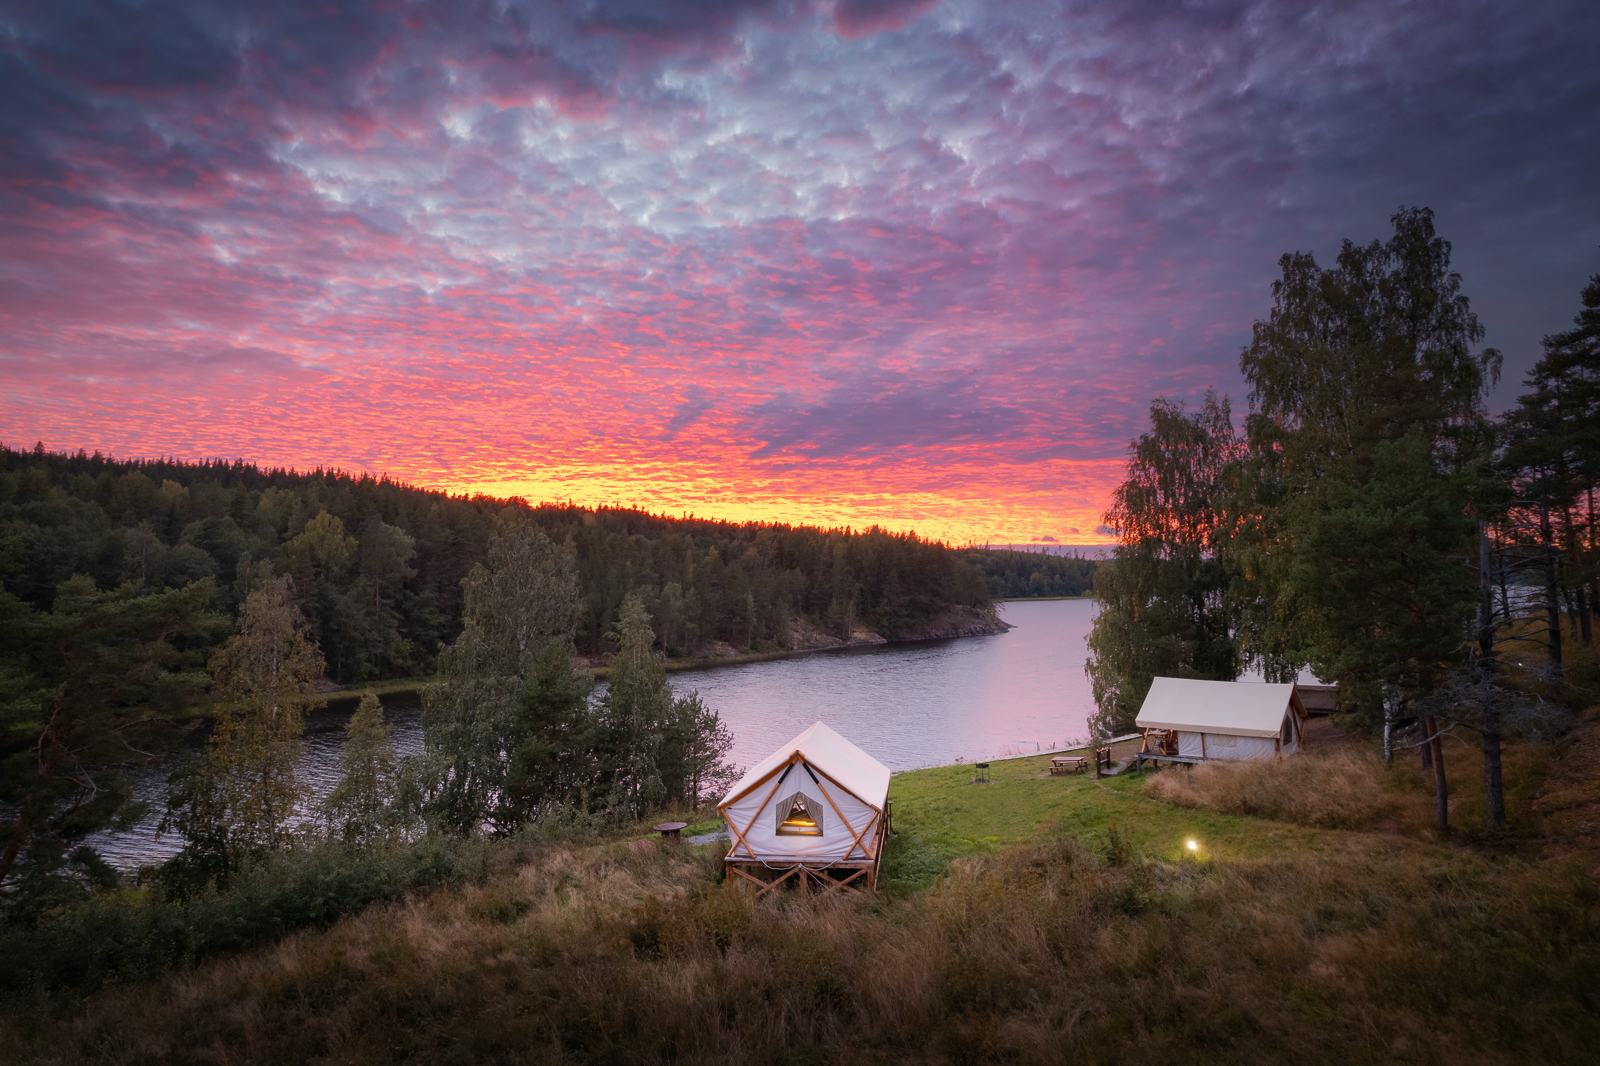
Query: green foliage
[
  {"x": 378, "y": 565},
  {"x": 1550, "y": 462},
  {"x": 1377, "y": 570},
  {"x": 87, "y": 689},
  {"x": 1351, "y": 359},
  {"x": 1020, "y": 575},
  {"x": 553, "y": 759},
  {"x": 136, "y": 934},
  {"x": 516, "y": 608},
  {"x": 635, "y": 711},
  {"x": 239, "y": 802},
  {"x": 1365, "y": 351},
  {"x": 1165, "y": 608},
  {"x": 360, "y": 809},
  {"x": 694, "y": 752}
]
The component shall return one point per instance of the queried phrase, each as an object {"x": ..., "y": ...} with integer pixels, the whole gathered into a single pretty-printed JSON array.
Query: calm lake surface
[{"x": 929, "y": 703}]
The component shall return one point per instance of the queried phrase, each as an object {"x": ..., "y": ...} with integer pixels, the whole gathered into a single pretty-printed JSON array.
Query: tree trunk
[
  {"x": 19, "y": 834},
  {"x": 1388, "y": 734},
  {"x": 1582, "y": 611},
  {"x": 1440, "y": 785},
  {"x": 1552, "y": 596},
  {"x": 1485, "y": 599},
  {"x": 1493, "y": 785}
]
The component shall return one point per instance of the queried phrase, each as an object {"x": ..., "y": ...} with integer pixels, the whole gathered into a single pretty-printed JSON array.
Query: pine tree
[
  {"x": 637, "y": 708},
  {"x": 88, "y": 689},
  {"x": 359, "y": 809},
  {"x": 553, "y": 758}
]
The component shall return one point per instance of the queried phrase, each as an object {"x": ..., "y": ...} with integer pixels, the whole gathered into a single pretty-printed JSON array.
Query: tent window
[
  {"x": 1223, "y": 740},
  {"x": 800, "y": 816}
]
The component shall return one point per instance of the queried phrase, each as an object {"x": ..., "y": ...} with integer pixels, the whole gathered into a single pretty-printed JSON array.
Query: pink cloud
[{"x": 771, "y": 256}]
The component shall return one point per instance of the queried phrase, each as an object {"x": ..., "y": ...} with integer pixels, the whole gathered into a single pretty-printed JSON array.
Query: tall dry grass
[
  {"x": 1350, "y": 787},
  {"x": 1337, "y": 788},
  {"x": 1394, "y": 952}
]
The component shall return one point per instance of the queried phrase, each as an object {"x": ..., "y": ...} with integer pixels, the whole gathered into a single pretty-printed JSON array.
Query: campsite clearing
[{"x": 940, "y": 815}]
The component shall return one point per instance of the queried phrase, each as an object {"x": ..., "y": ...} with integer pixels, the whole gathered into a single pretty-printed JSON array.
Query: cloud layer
[{"x": 917, "y": 263}]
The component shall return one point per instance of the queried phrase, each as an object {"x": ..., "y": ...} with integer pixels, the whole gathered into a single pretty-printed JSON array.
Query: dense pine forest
[{"x": 377, "y": 565}]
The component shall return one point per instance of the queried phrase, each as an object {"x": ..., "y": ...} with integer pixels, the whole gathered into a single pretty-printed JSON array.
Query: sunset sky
[{"x": 918, "y": 264}]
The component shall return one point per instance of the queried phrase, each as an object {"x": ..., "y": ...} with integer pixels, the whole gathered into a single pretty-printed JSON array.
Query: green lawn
[{"x": 940, "y": 814}]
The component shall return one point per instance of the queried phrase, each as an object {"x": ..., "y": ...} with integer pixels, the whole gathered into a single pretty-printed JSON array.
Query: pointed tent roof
[
  {"x": 1236, "y": 708},
  {"x": 827, "y": 751}
]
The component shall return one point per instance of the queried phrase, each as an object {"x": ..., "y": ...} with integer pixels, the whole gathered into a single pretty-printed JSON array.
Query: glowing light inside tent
[{"x": 800, "y": 821}]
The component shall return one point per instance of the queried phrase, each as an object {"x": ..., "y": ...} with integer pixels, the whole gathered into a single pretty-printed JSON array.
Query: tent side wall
[
  {"x": 1222, "y": 747},
  {"x": 1226, "y": 747}
]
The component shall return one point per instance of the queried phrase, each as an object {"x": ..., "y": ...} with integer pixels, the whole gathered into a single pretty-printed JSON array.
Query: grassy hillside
[{"x": 1033, "y": 919}]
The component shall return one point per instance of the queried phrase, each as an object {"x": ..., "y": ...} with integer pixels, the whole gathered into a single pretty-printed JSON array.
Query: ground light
[{"x": 1193, "y": 844}]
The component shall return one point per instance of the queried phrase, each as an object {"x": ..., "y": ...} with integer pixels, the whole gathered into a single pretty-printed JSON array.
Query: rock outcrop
[
  {"x": 803, "y": 636},
  {"x": 956, "y": 621},
  {"x": 953, "y": 621}
]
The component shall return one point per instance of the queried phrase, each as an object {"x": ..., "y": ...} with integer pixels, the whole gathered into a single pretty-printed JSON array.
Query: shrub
[{"x": 133, "y": 934}]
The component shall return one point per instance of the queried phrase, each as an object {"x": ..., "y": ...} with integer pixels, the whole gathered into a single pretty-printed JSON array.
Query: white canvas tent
[
  {"x": 1185, "y": 720},
  {"x": 815, "y": 809}
]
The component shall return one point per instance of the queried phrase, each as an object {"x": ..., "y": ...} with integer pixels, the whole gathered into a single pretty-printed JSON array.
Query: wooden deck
[{"x": 1142, "y": 757}]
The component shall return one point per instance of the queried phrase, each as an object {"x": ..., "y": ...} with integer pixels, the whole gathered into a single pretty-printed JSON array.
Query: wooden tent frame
[{"x": 869, "y": 842}]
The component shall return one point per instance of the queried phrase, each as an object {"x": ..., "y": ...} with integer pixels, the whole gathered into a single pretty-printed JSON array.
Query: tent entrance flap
[{"x": 799, "y": 816}]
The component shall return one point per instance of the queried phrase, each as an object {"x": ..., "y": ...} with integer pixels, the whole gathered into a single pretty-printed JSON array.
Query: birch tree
[
  {"x": 245, "y": 797},
  {"x": 1164, "y": 606}
]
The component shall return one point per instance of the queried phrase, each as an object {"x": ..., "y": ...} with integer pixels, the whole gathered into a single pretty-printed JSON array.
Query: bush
[{"x": 134, "y": 934}]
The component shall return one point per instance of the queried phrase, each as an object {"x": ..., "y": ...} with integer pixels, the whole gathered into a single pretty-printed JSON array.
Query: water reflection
[
  {"x": 909, "y": 705},
  {"x": 923, "y": 704}
]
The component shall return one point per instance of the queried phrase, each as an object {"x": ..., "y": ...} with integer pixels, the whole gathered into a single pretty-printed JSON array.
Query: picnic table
[{"x": 1068, "y": 764}]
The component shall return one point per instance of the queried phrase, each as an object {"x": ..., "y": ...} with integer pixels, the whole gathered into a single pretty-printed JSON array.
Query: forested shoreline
[
  {"x": 1024, "y": 575},
  {"x": 377, "y": 565},
  {"x": 138, "y": 596}
]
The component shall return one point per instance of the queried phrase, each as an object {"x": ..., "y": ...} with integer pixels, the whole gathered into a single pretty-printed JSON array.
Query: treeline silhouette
[
  {"x": 377, "y": 564},
  {"x": 1021, "y": 575}
]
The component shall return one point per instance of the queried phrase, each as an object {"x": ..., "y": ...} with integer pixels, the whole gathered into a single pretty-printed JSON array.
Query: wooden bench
[{"x": 1068, "y": 764}]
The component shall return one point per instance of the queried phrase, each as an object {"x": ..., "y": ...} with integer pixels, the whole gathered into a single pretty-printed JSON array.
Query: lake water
[{"x": 929, "y": 703}]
